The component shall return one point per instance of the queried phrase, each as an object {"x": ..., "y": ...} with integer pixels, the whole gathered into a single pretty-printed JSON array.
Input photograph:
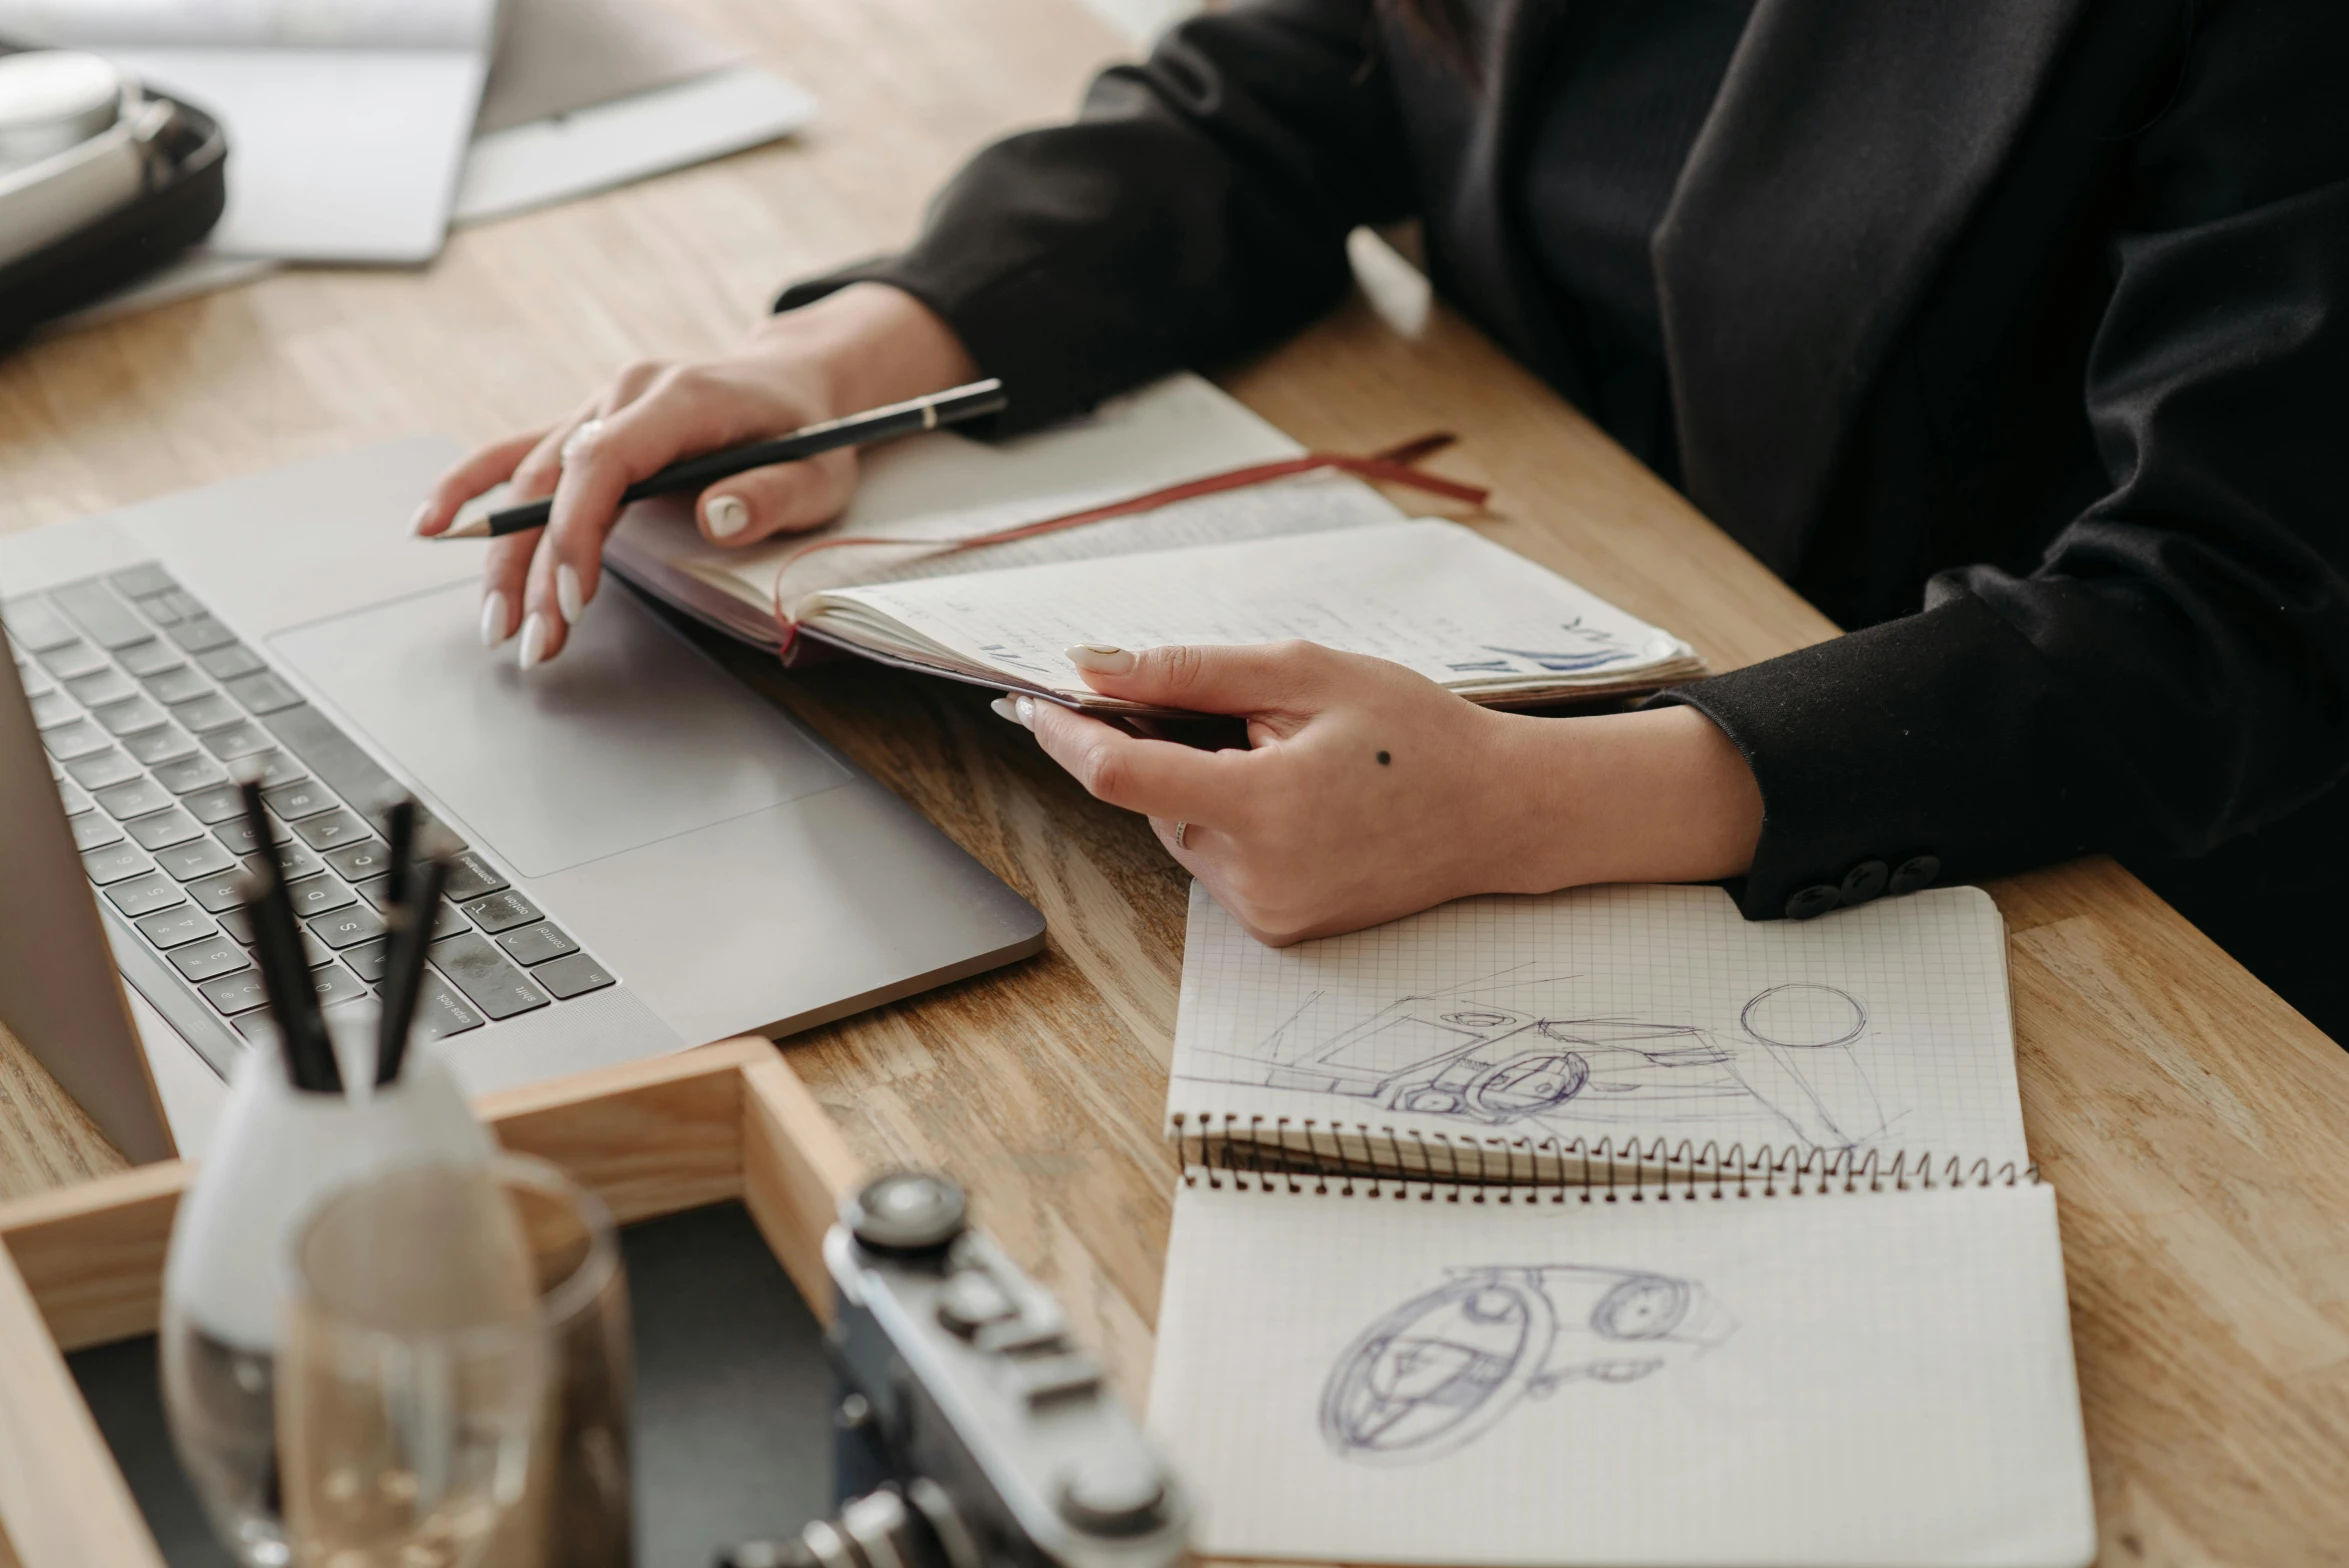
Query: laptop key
[
  {"x": 94, "y": 830},
  {"x": 164, "y": 829},
  {"x": 158, "y": 746},
  {"x": 292, "y": 802},
  {"x": 218, "y": 894},
  {"x": 316, "y": 895},
  {"x": 368, "y": 960},
  {"x": 201, "y": 857},
  {"x": 32, "y": 622},
  {"x": 229, "y": 660},
  {"x": 115, "y": 863},
  {"x": 334, "y": 757},
  {"x": 337, "y": 985},
  {"x": 237, "y": 993},
  {"x": 238, "y": 924},
  {"x": 536, "y": 944},
  {"x": 237, "y": 834},
  {"x": 216, "y": 955},
  {"x": 144, "y": 894},
  {"x": 335, "y": 828},
  {"x": 95, "y": 691},
  {"x": 573, "y": 976},
  {"x": 294, "y": 861},
  {"x": 101, "y": 613},
  {"x": 178, "y": 684},
  {"x": 470, "y": 877},
  {"x": 502, "y": 911},
  {"x": 161, "y": 608},
  {"x": 272, "y": 768},
  {"x": 75, "y": 798},
  {"x": 53, "y": 708},
  {"x": 360, "y": 862},
  {"x": 103, "y": 769},
  {"x": 187, "y": 923},
  {"x": 262, "y": 692},
  {"x": 346, "y": 927},
  {"x": 440, "y": 1011},
  {"x": 215, "y": 805},
  {"x": 190, "y": 774},
  {"x": 79, "y": 739},
  {"x": 211, "y": 711},
  {"x": 240, "y": 739},
  {"x": 182, "y": 603},
  {"x": 201, "y": 634},
  {"x": 140, "y": 582},
  {"x": 133, "y": 716},
  {"x": 490, "y": 983},
  {"x": 148, "y": 659},
  {"x": 315, "y": 952},
  {"x": 72, "y": 658},
  {"x": 134, "y": 799}
]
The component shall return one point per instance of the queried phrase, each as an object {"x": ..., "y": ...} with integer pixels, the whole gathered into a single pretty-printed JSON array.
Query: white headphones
[{"x": 77, "y": 141}]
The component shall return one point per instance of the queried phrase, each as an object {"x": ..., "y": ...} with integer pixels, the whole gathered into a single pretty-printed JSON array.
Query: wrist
[
  {"x": 866, "y": 345},
  {"x": 1662, "y": 795}
]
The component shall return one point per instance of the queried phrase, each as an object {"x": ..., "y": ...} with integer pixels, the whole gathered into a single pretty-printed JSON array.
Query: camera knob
[
  {"x": 1114, "y": 1494},
  {"x": 906, "y": 1211}
]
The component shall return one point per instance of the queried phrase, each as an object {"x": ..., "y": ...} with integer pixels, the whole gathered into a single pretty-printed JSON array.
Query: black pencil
[
  {"x": 479, "y": 518},
  {"x": 403, "y": 976},
  {"x": 285, "y": 976},
  {"x": 399, "y": 830}
]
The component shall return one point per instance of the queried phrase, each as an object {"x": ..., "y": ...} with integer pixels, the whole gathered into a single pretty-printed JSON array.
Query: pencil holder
[{"x": 277, "y": 1151}]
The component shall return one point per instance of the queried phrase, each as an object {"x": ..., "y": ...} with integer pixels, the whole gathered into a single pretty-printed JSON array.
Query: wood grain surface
[{"x": 2196, "y": 1129}]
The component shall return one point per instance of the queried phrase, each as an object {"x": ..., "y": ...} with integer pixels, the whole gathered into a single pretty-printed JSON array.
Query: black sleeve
[
  {"x": 2176, "y": 671},
  {"x": 1195, "y": 211}
]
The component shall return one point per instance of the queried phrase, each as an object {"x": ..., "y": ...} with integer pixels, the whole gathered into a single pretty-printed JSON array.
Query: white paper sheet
[
  {"x": 1881, "y": 1379},
  {"x": 1627, "y": 1013}
]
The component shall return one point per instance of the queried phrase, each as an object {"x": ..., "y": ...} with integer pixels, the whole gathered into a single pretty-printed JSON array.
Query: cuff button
[
  {"x": 1913, "y": 873},
  {"x": 1813, "y": 902},
  {"x": 1864, "y": 881}
]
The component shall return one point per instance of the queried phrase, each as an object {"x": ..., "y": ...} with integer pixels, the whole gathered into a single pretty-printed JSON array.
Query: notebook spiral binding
[{"x": 1269, "y": 1154}]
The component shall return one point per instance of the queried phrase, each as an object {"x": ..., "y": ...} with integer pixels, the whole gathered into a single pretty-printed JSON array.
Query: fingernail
[
  {"x": 493, "y": 619},
  {"x": 534, "y": 635},
  {"x": 567, "y": 592},
  {"x": 1102, "y": 658},
  {"x": 1021, "y": 712},
  {"x": 423, "y": 516},
  {"x": 727, "y": 517}
]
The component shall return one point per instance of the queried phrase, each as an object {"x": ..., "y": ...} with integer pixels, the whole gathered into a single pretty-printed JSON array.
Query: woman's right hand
[{"x": 867, "y": 345}]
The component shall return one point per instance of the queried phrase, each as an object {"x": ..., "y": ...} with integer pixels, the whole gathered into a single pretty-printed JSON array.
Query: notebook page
[
  {"x": 1432, "y": 596},
  {"x": 1627, "y": 1013},
  {"x": 1843, "y": 1379}
]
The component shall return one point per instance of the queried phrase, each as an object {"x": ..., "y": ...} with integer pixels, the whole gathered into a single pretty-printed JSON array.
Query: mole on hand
[{"x": 1384, "y": 759}]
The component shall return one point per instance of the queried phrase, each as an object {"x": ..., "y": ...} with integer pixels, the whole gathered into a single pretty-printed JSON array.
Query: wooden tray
[{"x": 85, "y": 1266}]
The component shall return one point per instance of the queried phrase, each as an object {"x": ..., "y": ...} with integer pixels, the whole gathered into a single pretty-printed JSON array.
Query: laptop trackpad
[{"x": 630, "y": 737}]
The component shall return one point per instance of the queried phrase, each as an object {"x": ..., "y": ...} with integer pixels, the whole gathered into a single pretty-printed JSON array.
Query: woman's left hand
[{"x": 1368, "y": 792}]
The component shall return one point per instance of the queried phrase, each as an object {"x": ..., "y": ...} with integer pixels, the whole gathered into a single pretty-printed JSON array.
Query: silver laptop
[{"x": 652, "y": 856}]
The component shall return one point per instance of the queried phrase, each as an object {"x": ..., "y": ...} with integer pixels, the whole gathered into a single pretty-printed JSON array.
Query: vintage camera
[{"x": 1000, "y": 1444}]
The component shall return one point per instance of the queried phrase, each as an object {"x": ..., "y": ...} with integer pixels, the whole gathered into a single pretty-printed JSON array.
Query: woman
[{"x": 2014, "y": 333}]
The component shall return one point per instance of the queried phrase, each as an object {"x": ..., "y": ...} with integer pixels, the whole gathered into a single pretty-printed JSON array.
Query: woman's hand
[
  {"x": 867, "y": 345},
  {"x": 1368, "y": 792}
]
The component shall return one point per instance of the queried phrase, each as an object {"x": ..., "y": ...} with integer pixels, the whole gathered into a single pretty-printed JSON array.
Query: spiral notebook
[
  {"x": 1609, "y": 1227},
  {"x": 1711, "y": 1371},
  {"x": 1523, "y": 1038}
]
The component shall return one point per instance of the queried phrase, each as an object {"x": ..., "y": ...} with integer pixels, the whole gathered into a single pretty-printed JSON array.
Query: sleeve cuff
[{"x": 1929, "y": 749}]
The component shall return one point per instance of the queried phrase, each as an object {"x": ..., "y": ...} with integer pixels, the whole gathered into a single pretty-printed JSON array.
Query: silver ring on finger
[
  {"x": 1181, "y": 828},
  {"x": 589, "y": 431}
]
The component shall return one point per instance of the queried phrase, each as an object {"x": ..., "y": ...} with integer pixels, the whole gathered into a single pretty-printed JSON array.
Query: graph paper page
[
  {"x": 1630, "y": 1013},
  {"x": 1847, "y": 1379}
]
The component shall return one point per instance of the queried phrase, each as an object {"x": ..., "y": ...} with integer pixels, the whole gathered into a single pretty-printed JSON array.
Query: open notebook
[
  {"x": 1320, "y": 557},
  {"x": 1515, "y": 1038},
  {"x": 1607, "y": 1227}
]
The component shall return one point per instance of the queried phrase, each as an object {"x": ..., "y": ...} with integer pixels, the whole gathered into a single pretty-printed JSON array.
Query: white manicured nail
[
  {"x": 1024, "y": 711},
  {"x": 1007, "y": 710},
  {"x": 534, "y": 635},
  {"x": 493, "y": 618},
  {"x": 1102, "y": 658},
  {"x": 416, "y": 523},
  {"x": 567, "y": 592},
  {"x": 727, "y": 517}
]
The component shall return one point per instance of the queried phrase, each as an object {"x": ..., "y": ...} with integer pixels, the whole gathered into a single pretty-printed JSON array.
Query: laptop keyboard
[{"x": 145, "y": 702}]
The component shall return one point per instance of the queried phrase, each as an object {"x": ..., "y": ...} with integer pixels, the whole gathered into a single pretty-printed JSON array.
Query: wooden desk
[{"x": 2196, "y": 1128}]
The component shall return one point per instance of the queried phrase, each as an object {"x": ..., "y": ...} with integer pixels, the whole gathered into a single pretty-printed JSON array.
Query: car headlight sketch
[{"x": 1445, "y": 1367}]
